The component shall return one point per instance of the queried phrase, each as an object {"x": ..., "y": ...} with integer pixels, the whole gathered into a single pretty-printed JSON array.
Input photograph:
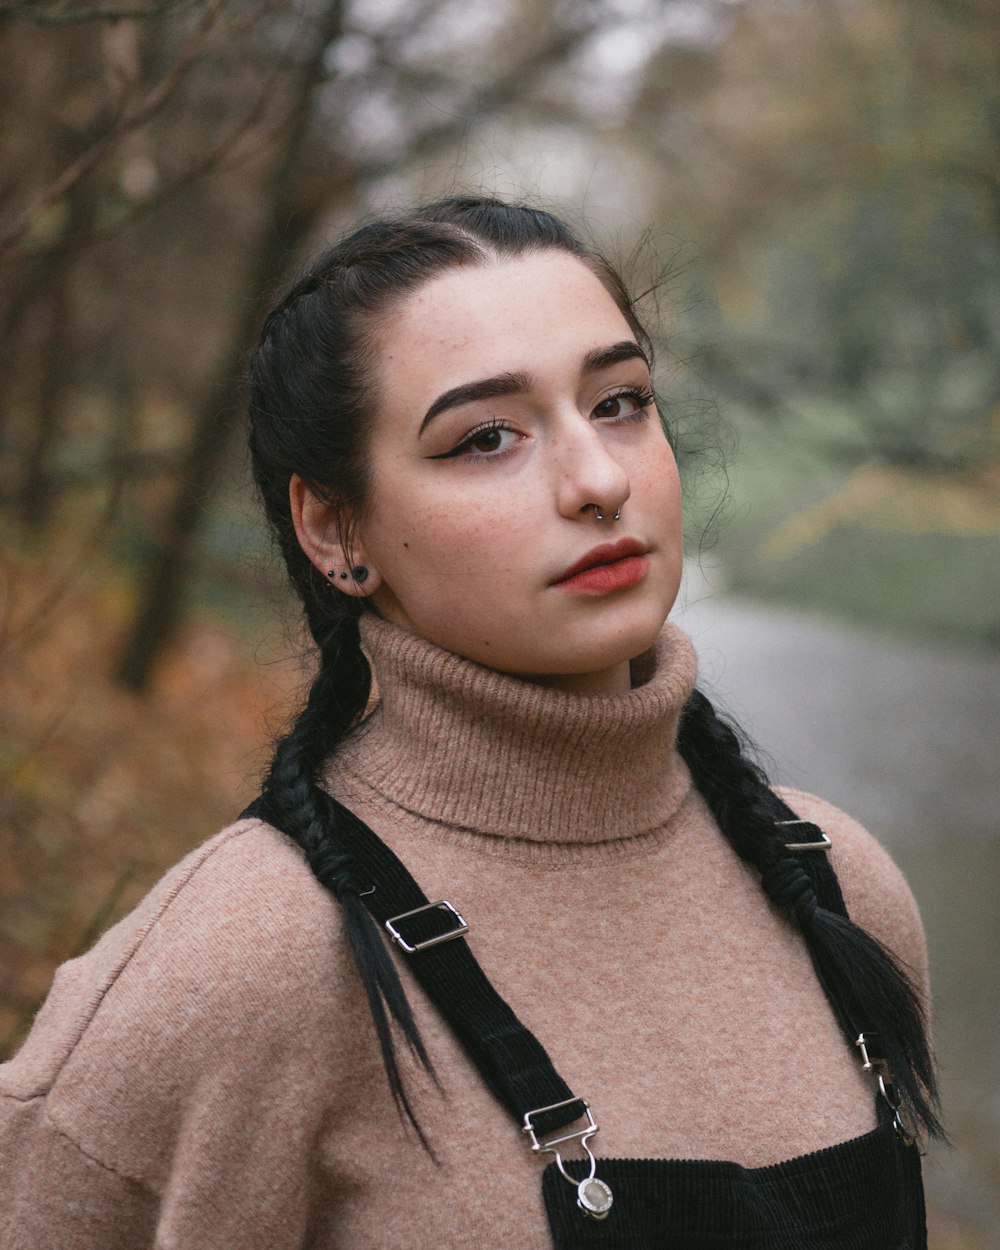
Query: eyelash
[
  {"x": 487, "y": 427},
  {"x": 643, "y": 399}
]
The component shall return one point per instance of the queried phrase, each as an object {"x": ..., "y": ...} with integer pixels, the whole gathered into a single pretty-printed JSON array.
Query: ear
[{"x": 321, "y": 528}]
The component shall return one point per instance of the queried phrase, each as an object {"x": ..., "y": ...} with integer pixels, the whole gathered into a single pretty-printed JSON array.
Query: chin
[
  {"x": 635, "y": 635},
  {"x": 588, "y": 652}
]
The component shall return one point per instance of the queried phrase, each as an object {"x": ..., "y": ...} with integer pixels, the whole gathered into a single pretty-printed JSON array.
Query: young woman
[{"x": 524, "y": 952}]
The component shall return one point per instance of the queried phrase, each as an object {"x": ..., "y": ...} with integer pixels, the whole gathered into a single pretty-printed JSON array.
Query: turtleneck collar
[{"x": 466, "y": 746}]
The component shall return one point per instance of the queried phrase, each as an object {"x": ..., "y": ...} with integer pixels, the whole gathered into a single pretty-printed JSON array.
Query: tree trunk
[
  {"x": 36, "y": 494},
  {"x": 162, "y": 595}
]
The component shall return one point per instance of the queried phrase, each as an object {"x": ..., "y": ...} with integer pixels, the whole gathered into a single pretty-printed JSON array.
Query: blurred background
[{"x": 809, "y": 190}]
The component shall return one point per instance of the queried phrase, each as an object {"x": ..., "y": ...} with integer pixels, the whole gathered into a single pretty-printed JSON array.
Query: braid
[
  {"x": 866, "y": 984},
  {"x": 296, "y": 804}
]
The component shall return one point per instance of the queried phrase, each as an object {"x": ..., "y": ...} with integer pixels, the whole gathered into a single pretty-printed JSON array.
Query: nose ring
[{"x": 599, "y": 515}]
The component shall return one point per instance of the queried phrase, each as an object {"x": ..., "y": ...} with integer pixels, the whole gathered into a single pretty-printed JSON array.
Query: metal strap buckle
[
  {"x": 866, "y": 1043},
  {"x": 823, "y": 844},
  {"x": 588, "y": 1130},
  {"x": 593, "y": 1196},
  {"x": 879, "y": 1067},
  {"x": 460, "y": 930}
]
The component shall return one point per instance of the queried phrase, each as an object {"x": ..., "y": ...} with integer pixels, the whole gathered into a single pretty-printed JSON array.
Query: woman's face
[{"x": 513, "y": 411}]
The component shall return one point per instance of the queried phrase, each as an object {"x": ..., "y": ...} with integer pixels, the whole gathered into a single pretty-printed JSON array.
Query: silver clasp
[
  {"x": 460, "y": 929},
  {"x": 879, "y": 1067},
  {"x": 823, "y": 844},
  {"x": 593, "y": 1196}
]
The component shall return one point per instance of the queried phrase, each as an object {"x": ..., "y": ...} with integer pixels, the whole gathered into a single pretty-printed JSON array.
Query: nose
[{"x": 592, "y": 481}]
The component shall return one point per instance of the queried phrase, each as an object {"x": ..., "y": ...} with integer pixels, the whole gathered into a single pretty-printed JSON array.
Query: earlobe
[
  {"x": 358, "y": 581},
  {"x": 359, "y": 575},
  {"x": 320, "y": 528}
]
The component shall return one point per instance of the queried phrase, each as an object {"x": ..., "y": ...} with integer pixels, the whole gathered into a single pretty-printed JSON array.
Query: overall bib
[{"x": 861, "y": 1194}]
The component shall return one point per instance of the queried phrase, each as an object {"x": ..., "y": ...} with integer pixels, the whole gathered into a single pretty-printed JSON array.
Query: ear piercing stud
[{"x": 359, "y": 573}]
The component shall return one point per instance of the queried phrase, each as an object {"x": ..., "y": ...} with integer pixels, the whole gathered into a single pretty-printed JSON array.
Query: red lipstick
[{"x": 609, "y": 567}]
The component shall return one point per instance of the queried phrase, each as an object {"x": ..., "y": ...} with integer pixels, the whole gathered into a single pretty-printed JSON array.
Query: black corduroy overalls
[{"x": 861, "y": 1194}]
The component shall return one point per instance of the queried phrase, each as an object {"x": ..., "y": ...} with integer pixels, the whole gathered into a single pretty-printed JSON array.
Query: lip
[{"x": 611, "y": 566}]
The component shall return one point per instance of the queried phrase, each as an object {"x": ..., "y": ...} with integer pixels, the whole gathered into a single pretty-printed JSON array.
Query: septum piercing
[{"x": 599, "y": 515}]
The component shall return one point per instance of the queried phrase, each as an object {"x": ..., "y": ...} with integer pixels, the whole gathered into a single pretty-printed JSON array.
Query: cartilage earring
[{"x": 359, "y": 573}]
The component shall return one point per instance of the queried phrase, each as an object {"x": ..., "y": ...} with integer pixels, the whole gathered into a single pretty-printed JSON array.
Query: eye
[
  {"x": 485, "y": 442},
  {"x": 628, "y": 404}
]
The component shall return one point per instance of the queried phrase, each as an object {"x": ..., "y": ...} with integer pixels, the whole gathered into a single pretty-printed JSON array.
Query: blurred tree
[
  {"x": 834, "y": 162},
  {"x": 75, "y": 163},
  {"x": 350, "y": 93},
  {"x": 839, "y": 165}
]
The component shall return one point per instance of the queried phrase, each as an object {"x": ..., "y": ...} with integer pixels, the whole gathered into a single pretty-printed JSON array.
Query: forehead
[{"x": 537, "y": 314}]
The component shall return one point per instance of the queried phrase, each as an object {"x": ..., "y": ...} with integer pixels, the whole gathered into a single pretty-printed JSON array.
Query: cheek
[
  {"x": 438, "y": 552},
  {"x": 661, "y": 486}
]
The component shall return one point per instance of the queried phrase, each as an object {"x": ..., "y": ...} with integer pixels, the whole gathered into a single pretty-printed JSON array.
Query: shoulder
[
  {"x": 209, "y": 957},
  {"x": 877, "y": 895},
  {"x": 204, "y": 1028}
]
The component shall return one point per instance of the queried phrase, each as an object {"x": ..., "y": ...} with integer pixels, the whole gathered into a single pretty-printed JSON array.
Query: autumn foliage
[{"x": 101, "y": 791}]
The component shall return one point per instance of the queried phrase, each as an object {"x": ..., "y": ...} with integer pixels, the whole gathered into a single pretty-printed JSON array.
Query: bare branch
[
  {"x": 60, "y": 13},
  {"x": 222, "y": 156},
  {"x": 130, "y": 120},
  {"x": 489, "y": 98}
]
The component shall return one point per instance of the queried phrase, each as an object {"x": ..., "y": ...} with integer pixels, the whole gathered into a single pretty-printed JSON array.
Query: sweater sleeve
[
  {"x": 51, "y": 1193},
  {"x": 176, "y": 1081}
]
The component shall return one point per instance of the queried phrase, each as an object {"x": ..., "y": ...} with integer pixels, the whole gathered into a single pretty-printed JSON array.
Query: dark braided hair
[
  {"x": 868, "y": 988},
  {"x": 313, "y": 381}
]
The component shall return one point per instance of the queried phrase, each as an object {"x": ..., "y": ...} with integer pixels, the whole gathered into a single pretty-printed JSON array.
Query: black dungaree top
[{"x": 861, "y": 1194}]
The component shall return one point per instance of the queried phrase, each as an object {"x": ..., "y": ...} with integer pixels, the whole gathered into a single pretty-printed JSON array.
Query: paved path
[{"x": 905, "y": 736}]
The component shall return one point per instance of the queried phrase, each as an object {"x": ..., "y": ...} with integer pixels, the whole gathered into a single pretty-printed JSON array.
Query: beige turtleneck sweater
[{"x": 207, "y": 1078}]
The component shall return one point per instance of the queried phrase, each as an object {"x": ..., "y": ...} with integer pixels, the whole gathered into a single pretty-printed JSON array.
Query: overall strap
[
  {"x": 510, "y": 1059},
  {"x": 800, "y": 880},
  {"x": 814, "y": 871},
  {"x": 808, "y": 843}
]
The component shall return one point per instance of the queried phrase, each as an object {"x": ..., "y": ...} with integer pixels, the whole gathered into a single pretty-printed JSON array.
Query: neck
[{"x": 610, "y": 681}]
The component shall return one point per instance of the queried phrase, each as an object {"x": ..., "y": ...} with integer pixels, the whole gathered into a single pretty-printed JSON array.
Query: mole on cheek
[{"x": 407, "y": 546}]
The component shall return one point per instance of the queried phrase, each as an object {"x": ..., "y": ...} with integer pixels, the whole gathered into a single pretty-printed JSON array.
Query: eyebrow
[{"x": 517, "y": 383}]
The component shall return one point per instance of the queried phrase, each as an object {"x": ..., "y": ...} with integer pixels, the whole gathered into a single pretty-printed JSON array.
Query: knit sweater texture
[{"x": 207, "y": 1077}]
